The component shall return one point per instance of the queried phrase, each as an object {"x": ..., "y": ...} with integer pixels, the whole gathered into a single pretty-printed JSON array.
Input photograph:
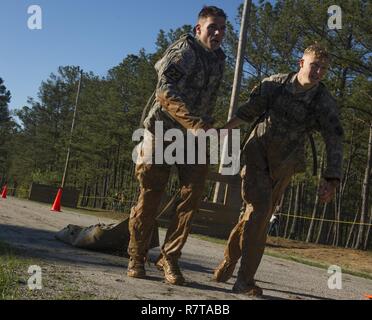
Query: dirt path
[{"x": 31, "y": 227}]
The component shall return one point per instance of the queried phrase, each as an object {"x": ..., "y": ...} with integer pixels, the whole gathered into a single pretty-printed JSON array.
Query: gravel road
[{"x": 31, "y": 227}]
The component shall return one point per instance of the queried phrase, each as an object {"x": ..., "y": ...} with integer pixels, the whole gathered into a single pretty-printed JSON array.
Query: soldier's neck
[
  {"x": 203, "y": 45},
  {"x": 301, "y": 86}
]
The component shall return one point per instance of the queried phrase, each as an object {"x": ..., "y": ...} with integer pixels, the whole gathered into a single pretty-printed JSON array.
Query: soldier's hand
[{"x": 327, "y": 190}]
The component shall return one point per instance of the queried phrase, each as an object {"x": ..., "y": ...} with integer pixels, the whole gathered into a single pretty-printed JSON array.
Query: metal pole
[
  {"x": 71, "y": 132},
  {"x": 219, "y": 191}
]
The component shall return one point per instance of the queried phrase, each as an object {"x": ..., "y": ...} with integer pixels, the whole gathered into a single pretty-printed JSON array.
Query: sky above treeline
[{"x": 93, "y": 34}]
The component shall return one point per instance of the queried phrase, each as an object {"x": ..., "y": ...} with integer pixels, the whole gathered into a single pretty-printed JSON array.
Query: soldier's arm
[
  {"x": 332, "y": 132},
  {"x": 254, "y": 106},
  {"x": 173, "y": 72}
]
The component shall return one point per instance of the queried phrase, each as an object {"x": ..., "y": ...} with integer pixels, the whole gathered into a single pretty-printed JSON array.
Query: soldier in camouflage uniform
[
  {"x": 189, "y": 76},
  {"x": 293, "y": 105}
]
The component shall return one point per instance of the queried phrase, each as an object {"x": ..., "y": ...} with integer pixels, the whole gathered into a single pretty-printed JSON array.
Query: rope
[{"x": 326, "y": 220}]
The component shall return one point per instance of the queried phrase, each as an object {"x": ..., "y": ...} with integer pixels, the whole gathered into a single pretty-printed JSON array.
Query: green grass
[
  {"x": 14, "y": 276},
  {"x": 10, "y": 266},
  {"x": 317, "y": 264}
]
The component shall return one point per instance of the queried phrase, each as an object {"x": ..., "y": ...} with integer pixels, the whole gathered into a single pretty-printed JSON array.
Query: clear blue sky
[{"x": 94, "y": 34}]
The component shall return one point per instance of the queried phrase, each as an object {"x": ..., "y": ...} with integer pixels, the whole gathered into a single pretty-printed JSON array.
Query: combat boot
[
  {"x": 136, "y": 267},
  {"x": 171, "y": 269},
  {"x": 224, "y": 271},
  {"x": 159, "y": 263},
  {"x": 249, "y": 289}
]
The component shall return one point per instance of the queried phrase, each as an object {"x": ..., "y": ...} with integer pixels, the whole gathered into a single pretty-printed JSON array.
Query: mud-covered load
[
  {"x": 108, "y": 238},
  {"x": 111, "y": 238}
]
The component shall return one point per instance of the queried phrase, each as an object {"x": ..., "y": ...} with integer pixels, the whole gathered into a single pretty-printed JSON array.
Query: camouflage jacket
[
  {"x": 189, "y": 76},
  {"x": 291, "y": 115}
]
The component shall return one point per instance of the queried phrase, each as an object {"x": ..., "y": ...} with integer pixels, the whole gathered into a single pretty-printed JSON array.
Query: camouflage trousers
[
  {"x": 153, "y": 179},
  {"x": 261, "y": 191}
]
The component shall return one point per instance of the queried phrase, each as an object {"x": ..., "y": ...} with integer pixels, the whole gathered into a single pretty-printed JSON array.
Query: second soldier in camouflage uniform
[
  {"x": 294, "y": 106},
  {"x": 189, "y": 75}
]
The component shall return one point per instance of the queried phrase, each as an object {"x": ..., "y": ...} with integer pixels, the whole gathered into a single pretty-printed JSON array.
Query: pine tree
[{"x": 6, "y": 125}]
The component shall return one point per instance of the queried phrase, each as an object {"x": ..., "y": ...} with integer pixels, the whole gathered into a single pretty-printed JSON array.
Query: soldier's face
[
  {"x": 313, "y": 69},
  {"x": 211, "y": 31}
]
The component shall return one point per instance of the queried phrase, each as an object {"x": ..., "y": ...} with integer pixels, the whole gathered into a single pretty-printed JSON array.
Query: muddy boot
[
  {"x": 159, "y": 263},
  {"x": 224, "y": 271},
  {"x": 171, "y": 269},
  {"x": 136, "y": 267},
  {"x": 249, "y": 289}
]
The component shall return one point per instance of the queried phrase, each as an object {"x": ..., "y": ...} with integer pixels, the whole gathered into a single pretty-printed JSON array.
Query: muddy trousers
[
  {"x": 153, "y": 179},
  {"x": 248, "y": 238}
]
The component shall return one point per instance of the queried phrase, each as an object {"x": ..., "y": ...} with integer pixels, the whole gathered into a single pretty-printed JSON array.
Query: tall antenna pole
[
  {"x": 219, "y": 191},
  {"x": 71, "y": 132}
]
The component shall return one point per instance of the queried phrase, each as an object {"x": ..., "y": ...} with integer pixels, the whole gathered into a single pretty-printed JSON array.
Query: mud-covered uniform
[
  {"x": 274, "y": 152},
  {"x": 189, "y": 76}
]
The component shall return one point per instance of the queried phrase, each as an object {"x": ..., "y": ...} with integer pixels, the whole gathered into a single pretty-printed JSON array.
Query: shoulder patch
[{"x": 173, "y": 73}]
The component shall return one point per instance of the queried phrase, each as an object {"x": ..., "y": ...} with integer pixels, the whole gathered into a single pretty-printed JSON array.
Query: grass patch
[
  {"x": 10, "y": 268},
  {"x": 318, "y": 264},
  {"x": 57, "y": 284}
]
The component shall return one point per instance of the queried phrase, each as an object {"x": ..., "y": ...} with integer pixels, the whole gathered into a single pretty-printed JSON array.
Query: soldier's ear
[
  {"x": 197, "y": 29},
  {"x": 301, "y": 63}
]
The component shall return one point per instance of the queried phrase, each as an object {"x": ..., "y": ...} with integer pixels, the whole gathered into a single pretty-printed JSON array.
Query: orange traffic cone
[
  {"x": 57, "y": 202},
  {"x": 5, "y": 190}
]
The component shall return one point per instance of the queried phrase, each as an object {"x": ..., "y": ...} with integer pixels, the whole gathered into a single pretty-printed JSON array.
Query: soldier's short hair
[
  {"x": 319, "y": 51},
  {"x": 211, "y": 11}
]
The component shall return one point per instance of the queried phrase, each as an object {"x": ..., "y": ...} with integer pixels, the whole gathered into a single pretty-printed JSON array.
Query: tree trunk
[
  {"x": 302, "y": 206},
  {"x": 336, "y": 225},
  {"x": 295, "y": 211},
  {"x": 340, "y": 194},
  {"x": 83, "y": 199},
  {"x": 87, "y": 197},
  {"x": 105, "y": 185},
  {"x": 95, "y": 194},
  {"x": 368, "y": 231},
  {"x": 116, "y": 169},
  {"x": 329, "y": 233},
  {"x": 289, "y": 210},
  {"x": 316, "y": 202},
  {"x": 365, "y": 193},
  {"x": 351, "y": 232},
  {"x": 321, "y": 223}
]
